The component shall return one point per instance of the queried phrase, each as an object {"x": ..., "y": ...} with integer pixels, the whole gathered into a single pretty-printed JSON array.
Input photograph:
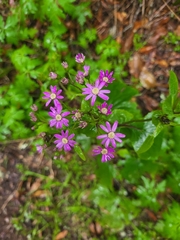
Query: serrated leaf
[{"x": 79, "y": 152}]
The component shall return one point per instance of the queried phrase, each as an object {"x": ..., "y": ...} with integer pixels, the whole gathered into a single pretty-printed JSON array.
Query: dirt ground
[{"x": 151, "y": 64}]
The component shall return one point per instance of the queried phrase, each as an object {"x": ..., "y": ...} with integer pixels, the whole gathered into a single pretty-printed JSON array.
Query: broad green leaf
[
  {"x": 85, "y": 106},
  {"x": 79, "y": 152},
  {"x": 167, "y": 105},
  {"x": 120, "y": 115},
  {"x": 150, "y": 139},
  {"x": 173, "y": 84}
]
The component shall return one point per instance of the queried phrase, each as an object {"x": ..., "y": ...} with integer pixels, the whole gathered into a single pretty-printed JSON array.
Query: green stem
[{"x": 139, "y": 120}]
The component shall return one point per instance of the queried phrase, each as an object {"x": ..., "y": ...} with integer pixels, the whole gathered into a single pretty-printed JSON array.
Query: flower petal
[{"x": 114, "y": 126}]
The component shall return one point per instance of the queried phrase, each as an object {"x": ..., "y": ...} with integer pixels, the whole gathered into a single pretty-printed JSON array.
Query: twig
[{"x": 171, "y": 10}]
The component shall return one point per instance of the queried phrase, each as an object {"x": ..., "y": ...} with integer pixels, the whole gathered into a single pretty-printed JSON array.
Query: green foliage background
[{"x": 144, "y": 176}]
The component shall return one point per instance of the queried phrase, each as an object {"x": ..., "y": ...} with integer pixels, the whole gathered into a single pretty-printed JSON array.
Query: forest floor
[{"x": 151, "y": 61}]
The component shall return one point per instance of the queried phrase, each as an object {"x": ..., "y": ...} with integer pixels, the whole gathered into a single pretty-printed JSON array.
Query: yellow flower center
[
  {"x": 58, "y": 117},
  {"x": 104, "y": 110},
  {"x": 95, "y": 91},
  {"x": 105, "y": 79},
  {"x": 104, "y": 151},
  {"x": 111, "y": 135},
  {"x": 53, "y": 96},
  {"x": 64, "y": 140}
]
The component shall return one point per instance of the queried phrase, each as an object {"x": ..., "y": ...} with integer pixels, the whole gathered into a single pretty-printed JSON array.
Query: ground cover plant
[{"x": 99, "y": 131}]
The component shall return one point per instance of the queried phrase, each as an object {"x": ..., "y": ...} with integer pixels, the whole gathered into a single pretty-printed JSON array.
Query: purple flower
[
  {"x": 54, "y": 95},
  {"x": 80, "y": 58},
  {"x": 64, "y": 64},
  {"x": 64, "y": 141},
  {"x": 105, "y": 109},
  {"x": 105, "y": 76},
  {"x": 107, "y": 153},
  {"x": 58, "y": 117},
  {"x": 52, "y": 75},
  {"x": 92, "y": 91},
  {"x": 111, "y": 137}
]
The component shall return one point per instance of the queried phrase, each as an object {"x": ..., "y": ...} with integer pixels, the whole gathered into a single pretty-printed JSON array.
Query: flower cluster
[
  {"x": 63, "y": 119},
  {"x": 110, "y": 137},
  {"x": 59, "y": 119}
]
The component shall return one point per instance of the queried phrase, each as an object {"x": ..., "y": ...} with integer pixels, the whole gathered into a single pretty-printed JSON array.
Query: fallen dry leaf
[
  {"x": 162, "y": 63},
  {"x": 135, "y": 65},
  {"x": 158, "y": 33},
  {"x": 121, "y": 16},
  {"x": 127, "y": 44},
  {"x": 35, "y": 186},
  {"x": 95, "y": 228},
  {"x": 41, "y": 193},
  {"x": 61, "y": 235},
  {"x": 147, "y": 79},
  {"x": 177, "y": 31},
  {"x": 149, "y": 103},
  {"x": 146, "y": 49},
  {"x": 140, "y": 24}
]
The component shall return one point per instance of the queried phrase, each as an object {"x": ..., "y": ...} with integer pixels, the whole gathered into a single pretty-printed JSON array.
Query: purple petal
[
  {"x": 59, "y": 145},
  {"x": 96, "y": 83},
  {"x": 89, "y": 86},
  {"x": 71, "y": 136},
  {"x": 114, "y": 126},
  {"x": 52, "y": 122},
  {"x": 113, "y": 142},
  {"x": 48, "y": 102},
  {"x": 59, "y": 92},
  {"x": 53, "y": 89},
  {"x": 59, "y": 124},
  {"x": 107, "y": 142},
  {"x": 65, "y": 114},
  {"x": 104, "y": 97},
  {"x": 117, "y": 139},
  {"x": 121, "y": 135},
  {"x": 67, "y": 147},
  {"x": 88, "y": 96},
  {"x": 101, "y": 85},
  {"x": 93, "y": 100},
  {"x": 47, "y": 94},
  {"x": 58, "y": 136},
  {"x": 108, "y": 125},
  {"x": 102, "y": 136},
  {"x": 104, "y": 128}
]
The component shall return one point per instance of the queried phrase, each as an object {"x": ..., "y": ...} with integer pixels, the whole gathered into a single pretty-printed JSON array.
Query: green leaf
[
  {"x": 167, "y": 105},
  {"x": 79, "y": 152},
  {"x": 150, "y": 139},
  {"x": 146, "y": 144},
  {"x": 173, "y": 84},
  {"x": 85, "y": 106},
  {"x": 2, "y": 35},
  {"x": 121, "y": 116}
]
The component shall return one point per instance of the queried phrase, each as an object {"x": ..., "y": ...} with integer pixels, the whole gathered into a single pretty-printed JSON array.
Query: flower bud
[
  {"x": 52, "y": 75},
  {"x": 64, "y": 81}
]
